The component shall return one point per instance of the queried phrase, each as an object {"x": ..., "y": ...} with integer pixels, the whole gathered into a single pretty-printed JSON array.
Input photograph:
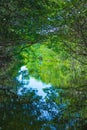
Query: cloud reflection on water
[{"x": 31, "y": 83}]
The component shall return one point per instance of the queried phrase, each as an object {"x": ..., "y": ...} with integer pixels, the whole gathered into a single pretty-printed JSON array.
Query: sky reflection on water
[
  {"x": 50, "y": 112},
  {"x": 31, "y": 83}
]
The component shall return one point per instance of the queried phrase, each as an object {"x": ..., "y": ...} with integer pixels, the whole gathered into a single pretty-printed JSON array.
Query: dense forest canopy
[
  {"x": 49, "y": 37},
  {"x": 60, "y": 25}
]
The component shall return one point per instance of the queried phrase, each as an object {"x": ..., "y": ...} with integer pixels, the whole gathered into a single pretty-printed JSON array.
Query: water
[
  {"x": 41, "y": 106},
  {"x": 31, "y": 83}
]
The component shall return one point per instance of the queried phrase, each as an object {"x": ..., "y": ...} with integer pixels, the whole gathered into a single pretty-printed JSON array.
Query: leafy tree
[
  {"x": 20, "y": 25},
  {"x": 58, "y": 28}
]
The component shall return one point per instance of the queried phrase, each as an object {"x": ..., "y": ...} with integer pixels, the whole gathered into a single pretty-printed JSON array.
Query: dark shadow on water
[
  {"x": 52, "y": 109},
  {"x": 30, "y": 112}
]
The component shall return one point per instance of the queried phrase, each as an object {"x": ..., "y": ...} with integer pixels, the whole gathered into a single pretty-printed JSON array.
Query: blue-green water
[{"x": 40, "y": 106}]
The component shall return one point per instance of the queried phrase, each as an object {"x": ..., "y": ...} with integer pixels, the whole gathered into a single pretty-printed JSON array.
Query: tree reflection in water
[
  {"x": 61, "y": 109},
  {"x": 30, "y": 112}
]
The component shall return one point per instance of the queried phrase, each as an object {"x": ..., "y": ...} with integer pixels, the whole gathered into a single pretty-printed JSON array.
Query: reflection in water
[
  {"x": 31, "y": 83},
  {"x": 29, "y": 112}
]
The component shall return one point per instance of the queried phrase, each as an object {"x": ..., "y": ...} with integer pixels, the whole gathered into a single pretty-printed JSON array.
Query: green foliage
[
  {"x": 58, "y": 28},
  {"x": 59, "y": 25},
  {"x": 57, "y": 68}
]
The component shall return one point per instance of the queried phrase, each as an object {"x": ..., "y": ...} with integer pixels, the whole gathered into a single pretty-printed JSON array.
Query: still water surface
[
  {"x": 39, "y": 106},
  {"x": 31, "y": 83}
]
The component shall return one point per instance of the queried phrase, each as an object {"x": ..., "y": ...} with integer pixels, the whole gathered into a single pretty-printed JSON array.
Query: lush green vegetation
[
  {"x": 50, "y": 38},
  {"x": 59, "y": 25}
]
